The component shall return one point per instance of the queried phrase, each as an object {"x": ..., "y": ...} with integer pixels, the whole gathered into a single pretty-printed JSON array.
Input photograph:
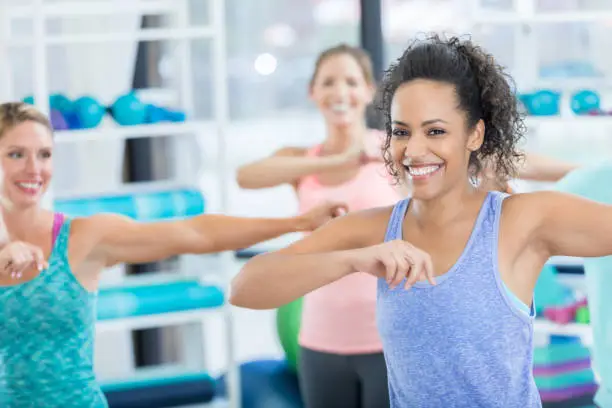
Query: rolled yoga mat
[
  {"x": 160, "y": 390},
  {"x": 141, "y": 300},
  {"x": 146, "y": 206}
]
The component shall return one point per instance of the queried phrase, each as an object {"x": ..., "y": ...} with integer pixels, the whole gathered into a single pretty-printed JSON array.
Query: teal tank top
[{"x": 47, "y": 331}]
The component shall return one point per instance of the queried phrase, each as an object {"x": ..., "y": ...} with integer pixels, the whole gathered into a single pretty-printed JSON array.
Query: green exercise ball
[
  {"x": 582, "y": 315},
  {"x": 288, "y": 320}
]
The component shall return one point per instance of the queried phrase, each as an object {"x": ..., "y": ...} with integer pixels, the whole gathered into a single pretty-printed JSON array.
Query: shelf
[
  {"x": 95, "y": 8},
  {"x": 150, "y": 34},
  {"x": 116, "y": 132},
  {"x": 566, "y": 261},
  {"x": 568, "y": 85},
  {"x": 488, "y": 17},
  {"x": 583, "y": 331},
  {"x": 153, "y": 321},
  {"x": 605, "y": 120}
]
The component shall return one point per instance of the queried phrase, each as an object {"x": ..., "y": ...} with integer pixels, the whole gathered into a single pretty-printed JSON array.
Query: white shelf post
[
  {"x": 41, "y": 88},
  {"x": 221, "y": 112}
]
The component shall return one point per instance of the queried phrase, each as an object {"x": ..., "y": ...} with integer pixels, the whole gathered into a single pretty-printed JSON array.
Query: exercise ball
[
  {"x": 57, "y": 101},
  {"x": 128, "y": 110},
  {"x": 543, "y": 103},
  {"x": 60, "y": 102},
  {"x": 89, "y": 112},
  {"x": 266, "y": 384},
  {"x": 288, "y": 321},
  {"x": 585, "y": 101},
  {"x": 593, "y": 182},
  {"x": 582, "y": 315},
  {"x": 58, "y": 122},
  {"x": 72, "y": 120}
]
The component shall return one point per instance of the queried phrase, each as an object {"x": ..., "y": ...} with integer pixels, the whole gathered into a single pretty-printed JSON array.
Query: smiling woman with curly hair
[
  {"x": 484, "y": 95},
  {"x": 456, "y": 264}
]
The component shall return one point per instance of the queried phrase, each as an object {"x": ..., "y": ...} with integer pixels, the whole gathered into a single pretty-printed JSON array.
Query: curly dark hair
[{"x": 483, "y": 88}]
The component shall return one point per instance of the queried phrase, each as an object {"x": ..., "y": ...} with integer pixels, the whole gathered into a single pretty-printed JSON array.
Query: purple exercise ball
[{"x": 57, "y": 120}]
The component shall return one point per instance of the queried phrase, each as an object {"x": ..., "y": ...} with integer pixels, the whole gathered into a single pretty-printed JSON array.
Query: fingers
[
  {"x": 339, "y": 209},
  {"x": 334, "y": 208},
  {"x": 414, "y": 274},
  {"x": 19, "y": 257},
  {"x": 391, "y": 271},
  {"x": 404, "y": 261},
  {"x": 39, "y": 259},
  {"x": 403, "y": 267},
  {"x": 429, "y": 269},
  {"x": 17, "y": 265}
]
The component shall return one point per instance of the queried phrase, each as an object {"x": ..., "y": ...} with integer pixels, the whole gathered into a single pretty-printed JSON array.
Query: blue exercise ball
[
  {"x": 58, "y": 122},
  {"x": 266, "y": 384},
  {"x": 57, "y": 101},
  {"x": 61, "y": 103},
  {"x": 128, "y": 110},
  {"x": 585, "y": 101},
  {"x": 543, "y": 103},
  {"x": 72, "y": 120},
  {"x": 89, "y": 112}
]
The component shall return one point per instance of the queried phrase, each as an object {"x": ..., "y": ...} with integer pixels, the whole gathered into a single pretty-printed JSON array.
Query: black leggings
[{"x": 343, "y": 381}]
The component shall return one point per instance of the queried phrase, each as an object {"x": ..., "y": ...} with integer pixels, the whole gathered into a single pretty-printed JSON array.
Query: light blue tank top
[
  {"x": 462, "y": 343},
  {"x": 47, "y": 337}
]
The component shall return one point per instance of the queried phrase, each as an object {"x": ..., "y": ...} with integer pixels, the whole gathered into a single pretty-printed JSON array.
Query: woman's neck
[
  {"x": 339, "y": 138},
  {"x": 23, "y": 223},
  {"x": 440, "y": 211}
]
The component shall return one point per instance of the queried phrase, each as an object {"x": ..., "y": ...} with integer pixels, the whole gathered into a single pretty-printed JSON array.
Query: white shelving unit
[
  {"x": 39, "y": 13},
  {"x": 571, "y": 329},
  {"x": 526, "y": 17}
]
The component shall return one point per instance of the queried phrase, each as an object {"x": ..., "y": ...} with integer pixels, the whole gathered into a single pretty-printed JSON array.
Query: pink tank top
[
  {"x": 58, "y": 220},
  {"x": 340, "y": 318}
]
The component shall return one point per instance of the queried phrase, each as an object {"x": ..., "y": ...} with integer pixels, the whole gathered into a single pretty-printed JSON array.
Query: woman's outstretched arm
[
  {"x": 543, "y": 168},
  {"x": 562, "y": 224},
  {"x": 117, "y": 239}
]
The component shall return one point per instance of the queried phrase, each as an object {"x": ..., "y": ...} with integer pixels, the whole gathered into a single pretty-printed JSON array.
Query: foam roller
[
  {"x": 123, "y": 302},
  {"x": 160, "y": 391},
  {"x": 140, "y": 206}
]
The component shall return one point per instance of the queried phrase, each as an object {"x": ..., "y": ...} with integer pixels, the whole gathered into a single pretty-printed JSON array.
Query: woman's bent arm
[
  {"x": 271, "y": 280},
  {"x": 287, "y": 166},
  {"x": 274, "y": 279}
]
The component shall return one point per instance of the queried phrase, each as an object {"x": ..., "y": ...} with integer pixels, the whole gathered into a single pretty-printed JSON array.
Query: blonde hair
[
  {"x": 359, "y": 55},
  {"x": 15, "y": 113}
]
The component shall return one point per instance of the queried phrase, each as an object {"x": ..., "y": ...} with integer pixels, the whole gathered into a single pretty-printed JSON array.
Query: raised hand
[
  {"x": 394, "y": 261},
  {"x": 17, "y": 257},
  {"x": 321, "y": 214}
]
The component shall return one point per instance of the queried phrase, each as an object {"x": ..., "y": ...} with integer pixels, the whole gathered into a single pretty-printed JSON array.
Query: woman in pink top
[{"x": 341, "y": 360}]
